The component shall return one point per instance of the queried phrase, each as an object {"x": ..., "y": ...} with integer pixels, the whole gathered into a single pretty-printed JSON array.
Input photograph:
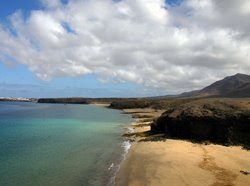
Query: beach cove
[{"x": 155, "y": 160}]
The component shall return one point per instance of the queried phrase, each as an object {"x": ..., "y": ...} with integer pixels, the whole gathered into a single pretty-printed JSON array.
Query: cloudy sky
[{"x": 107, "y": 48}]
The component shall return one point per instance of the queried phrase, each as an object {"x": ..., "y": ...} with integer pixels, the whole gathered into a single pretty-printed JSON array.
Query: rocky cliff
[{"x": 223, "y": 122}]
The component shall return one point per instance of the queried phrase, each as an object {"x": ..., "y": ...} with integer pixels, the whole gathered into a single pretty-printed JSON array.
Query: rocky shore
[
  {"x": 217, "y": 120},
  {"x": 143, "y": 120},
  {"x": 185, "y": 141},
  {"x": 222, "y": 121},
  {"x": 194, "y": 138},
  {"x": 160, "y": 155}
]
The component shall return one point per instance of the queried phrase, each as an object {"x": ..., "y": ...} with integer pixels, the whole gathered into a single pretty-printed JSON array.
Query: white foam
[
  {"x": 111, "y": 166},
  {"x": 130, "y": 130},
  {"x": 126, "y": 146}
]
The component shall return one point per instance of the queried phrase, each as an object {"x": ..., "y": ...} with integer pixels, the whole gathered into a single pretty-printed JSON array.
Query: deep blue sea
[{"x": 57, "y": 144}]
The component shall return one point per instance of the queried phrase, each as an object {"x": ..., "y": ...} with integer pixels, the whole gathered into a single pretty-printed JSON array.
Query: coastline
[
  {"x": 136, "y": 131},
  {"x": 135, "y": 127},
  {"x": 114, "y": 168},
  {"x": 149, "y": 159},
  {"x": 177, "y": 163},
  {"x": 100, "y": 104},
  {"x": 153, "y": 160},
  {"x": 143, "y": 117},
  {"x": 138, "y": 125}
]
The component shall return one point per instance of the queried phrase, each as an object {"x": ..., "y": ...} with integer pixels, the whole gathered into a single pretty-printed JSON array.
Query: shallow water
[{"x": 56, "y": 144}]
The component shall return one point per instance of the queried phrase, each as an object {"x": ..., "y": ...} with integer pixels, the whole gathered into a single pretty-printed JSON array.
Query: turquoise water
[{"x": 50, "y": 144}]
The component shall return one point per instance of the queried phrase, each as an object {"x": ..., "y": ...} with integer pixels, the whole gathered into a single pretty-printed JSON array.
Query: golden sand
[
  {"x": 177, "y": 163},
  {"x": 161, "y": 161}
]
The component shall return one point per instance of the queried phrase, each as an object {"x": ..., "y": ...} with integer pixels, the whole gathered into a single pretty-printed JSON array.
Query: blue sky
[
  {"x": 120, "y": 48},
  {"x": 19, "y": 81},
  {"x": 9, "y": 7}
]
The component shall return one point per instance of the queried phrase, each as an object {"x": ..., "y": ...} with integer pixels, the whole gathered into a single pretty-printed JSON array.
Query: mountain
[
  {"x": 242, "y": 91},
  {"x": 232, "y": 86},
  {"x": 188, "y": 94},
  {"x": 237, "y": 85}
]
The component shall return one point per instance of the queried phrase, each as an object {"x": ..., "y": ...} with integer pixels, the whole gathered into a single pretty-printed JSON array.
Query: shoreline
[
  {"x": 100, "y": 104},
  {"x": 128, "y": 142},
  {"x": 178, "y": 162},
  {"x": 143, "y": 117},
  {"x": 114, "y": 168},
  {"x": 156, "y": 160},
  {"x": 153, "y": 160},
  {"x": 140, "y": 124}
]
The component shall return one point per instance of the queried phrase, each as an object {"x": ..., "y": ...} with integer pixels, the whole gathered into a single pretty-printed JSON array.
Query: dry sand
[
  {"x": 162, "y": 162},
  {"x": 100, "y": 104},
  {"x": 177, "y": 163}
]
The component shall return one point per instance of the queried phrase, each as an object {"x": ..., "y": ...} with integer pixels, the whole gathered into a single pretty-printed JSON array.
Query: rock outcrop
[
  {"x": 130, "y": 103},
  {"x": 64, "y": 100},
  {"x": 222, "y": 122}
]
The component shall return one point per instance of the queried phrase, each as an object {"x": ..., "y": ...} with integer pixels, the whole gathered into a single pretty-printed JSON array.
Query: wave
[{"x": 126, "y": 145}]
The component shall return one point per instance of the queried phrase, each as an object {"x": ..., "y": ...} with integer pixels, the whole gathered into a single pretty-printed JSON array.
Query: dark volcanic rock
[
  {"x": 64, "y": 100},
  {"x": 130, "y": 103},
  {"x": 216, "y": 121}
]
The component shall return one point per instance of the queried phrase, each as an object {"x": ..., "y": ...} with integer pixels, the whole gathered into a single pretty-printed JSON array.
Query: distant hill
[
  {"x": 189, "y": 94},
  {"x": 237, "y": 85},
  {"x": 232, "y": 86}
]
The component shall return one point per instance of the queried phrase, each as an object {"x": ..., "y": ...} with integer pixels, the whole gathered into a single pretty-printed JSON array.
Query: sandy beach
[
  {"x": 176, "y": 162},
  {"x": 158, "y": 161},
  {"x": 100, "y": 104}
]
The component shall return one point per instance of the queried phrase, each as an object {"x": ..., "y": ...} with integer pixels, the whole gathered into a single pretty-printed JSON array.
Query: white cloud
[
  {"x": 51, "y": 3},
  {"x": 172, "y": 49}
]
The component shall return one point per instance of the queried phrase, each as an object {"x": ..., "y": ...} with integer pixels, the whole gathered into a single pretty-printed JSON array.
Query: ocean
[{"x": 60, "y": 144}]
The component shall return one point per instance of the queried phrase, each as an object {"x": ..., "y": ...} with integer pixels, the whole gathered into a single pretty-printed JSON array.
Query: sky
[{"x": 120, "y": 48}]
